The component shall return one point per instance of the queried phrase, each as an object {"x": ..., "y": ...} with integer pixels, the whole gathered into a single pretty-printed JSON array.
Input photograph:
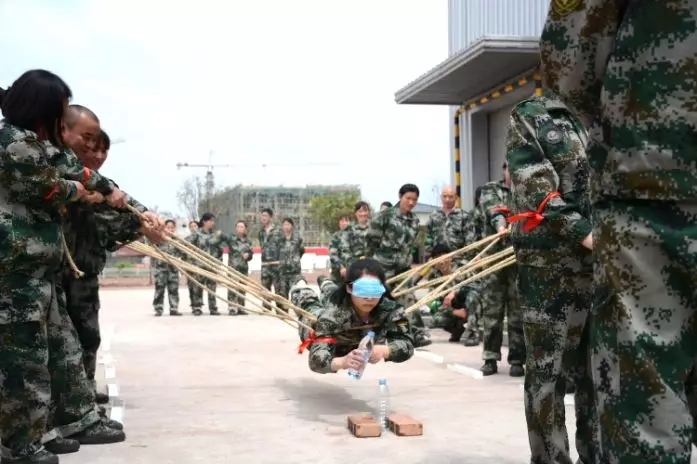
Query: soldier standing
[
  {"x": 212, "y": 242},
  {"x": 447, "y": 225},
  {"x": 353, "y": 243},
  {"x": 390, "y": 238},
  {"x": 166, "y": 278},
  {"x": 193, "y": 227},
  {"x": 290, "y": 255},
  {"x": 335, "y": 249},
  {"x": 240, "y": 253},
  {"x": 552, "y": 239},
  {"x": 501, "y": 289},
  {"x": 627, "y": 70},
  {"x": 270, "y": 239}
]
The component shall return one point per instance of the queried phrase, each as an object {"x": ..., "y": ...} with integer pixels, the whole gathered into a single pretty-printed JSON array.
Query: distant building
[
  {"x": 245, "y": 202},
  {"x": 423, "y": 211}
]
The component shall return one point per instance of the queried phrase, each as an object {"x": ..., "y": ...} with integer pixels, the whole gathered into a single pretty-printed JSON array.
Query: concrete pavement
[{"x": 234, "y": 390}]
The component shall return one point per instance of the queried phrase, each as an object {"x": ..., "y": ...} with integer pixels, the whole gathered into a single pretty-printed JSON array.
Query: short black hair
[
  {"x": 289, "y": 221},
  {"x": 344, "y": 217},
  {"x": 361, "y": 205},
  {"x": 170, "y": 221},
  {"x": 505, "y": 165},
  {"x": 268, "y": 211},
  {"x": 74, "y": 113},
  {"x": 104, "y": 140},
  {"x": 440, "y": 250},
  {"x": 408, "y": 188},
  {"x": 386, "y": 203},
  {"x": 36, "y": 101}
]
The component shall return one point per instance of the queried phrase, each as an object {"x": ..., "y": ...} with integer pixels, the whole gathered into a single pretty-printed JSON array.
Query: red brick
[
  {"x": 404, "y": 426},
  {"x": 364, "y": 426}
]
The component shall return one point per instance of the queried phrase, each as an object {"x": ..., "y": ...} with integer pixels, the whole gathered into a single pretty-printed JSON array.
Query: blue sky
[{"x": 274, "y": 82}]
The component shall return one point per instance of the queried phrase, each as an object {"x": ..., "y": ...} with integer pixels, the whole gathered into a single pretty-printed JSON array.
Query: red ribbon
[
  {"x": 315, "y": 339},
  {"x": 533, "y": 218}
]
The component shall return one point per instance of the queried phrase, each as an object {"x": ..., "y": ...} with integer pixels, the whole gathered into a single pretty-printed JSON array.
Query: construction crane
[{"x": 209, "y": 185}]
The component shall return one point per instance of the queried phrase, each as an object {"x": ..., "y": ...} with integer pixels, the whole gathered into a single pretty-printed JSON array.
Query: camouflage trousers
[
  {"x": 501, "y": 301},
  {"x": 197, "y": 294},
  {"x": 643, "y": 332},
  {"x": 556, "y": 305},
  {"x": 82, "y": 302},
  {"x": 44, "y": 391},
  {"x": 166, "y": 281},
  {"x": 239, "y": 296},
  {"x": 191, "y": 286},
  {"x": 304, "y": 297},
  {"x": 270, "y": 277},
  {"x": 471, "y": 301}
]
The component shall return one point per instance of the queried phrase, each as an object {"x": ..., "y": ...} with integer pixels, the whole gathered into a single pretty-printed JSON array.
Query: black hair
[
  {"x": 440, "y": 250},
  {"x": 241, "y": 221},
  {"x": 386, "y": 203},
  {"x": 361, "y": 205},
  {"x": 268, "y": 211},
  {"x": 193, "y": 222},
  {"x": 170, "y": 221},
  {"x": 344, "y": 217},
  {"x": 289, "y": 221},
  {"x": 35, "y": 101},
  {"x": 104, "y": 140},
  {"x": 74, "y": 113},
  {"x": 477, "y": 196},
  {"x": 205, "y": 217},
  {"x": 505, "y": 165},
  {"x": 355, "y": 271},
  {"x": 408, "y": 188}
]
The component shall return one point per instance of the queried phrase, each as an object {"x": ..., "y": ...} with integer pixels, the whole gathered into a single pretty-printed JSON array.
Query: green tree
[{"x": 327, "y": 209}]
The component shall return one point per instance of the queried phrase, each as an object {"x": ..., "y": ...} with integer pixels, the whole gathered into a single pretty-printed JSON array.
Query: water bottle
[
  {"x": 366, "y": 349},
  {"x": 383, "y": 408}
]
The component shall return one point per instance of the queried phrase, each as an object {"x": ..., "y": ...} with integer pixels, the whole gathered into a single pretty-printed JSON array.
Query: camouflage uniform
[
  {"x": 290, "y": 254},
  {"x": 446, "y": 229},
  {"x": 270, "y": 242},
  {"x": 627, "y": 70},
  {"x": 32, "y": 191},
  {"x": 213, "y": 243},
  {"x": 238, "y": 247},
  {"x": 389, "y": 240},
  {"x": 166, "y": 281},
  {"x": 546, "y": 155},
  {"x": 191, "y": 286},
  {"x": 335, "y": 264},
  {"x": 387, "y": 320},
  {"x": 467, "y": 297},
  {"x": 501, "y": 292},
  {"x": 353, "y": 244}
]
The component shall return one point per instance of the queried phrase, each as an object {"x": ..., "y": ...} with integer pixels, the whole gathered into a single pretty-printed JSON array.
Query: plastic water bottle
[
  {"x": 383, "y": 409},
  {"x": 366, "y": 349}
]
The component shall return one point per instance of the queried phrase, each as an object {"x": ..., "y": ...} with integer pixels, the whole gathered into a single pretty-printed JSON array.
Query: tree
[
  {"x": 190, "y": 195},
  {"x": 327, "y": 209}
]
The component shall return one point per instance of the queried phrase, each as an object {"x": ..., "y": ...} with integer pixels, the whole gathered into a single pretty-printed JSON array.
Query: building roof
[
  {"x": 423, "y": 208},
  {"x": 471, "y": 72}
]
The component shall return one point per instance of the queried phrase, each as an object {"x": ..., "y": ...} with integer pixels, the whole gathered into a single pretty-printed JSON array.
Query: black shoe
[
  {"x": 158, "y": 312},
  {"x": 214, "y": 312},
  {"x": 570, "y": 388},
  {"x": 490, "y": 367},
  {"x": 516, "y": 370},
  {"x": 242, "y": 312},
  {"x": 62, "y": 445},
  {"x": 99, "y": 434},
  {"x": 197, "y": 312},
  {"x": 421, "y": 341},
  {"x": 321, "y": 280},
  {"x": 101, "y": 398},
  {"x": 174, "y": 312},
  {"x": 112, "y": 424},
  {"x": 42, "y": 457},
  {"x": 457, "y": 331},
  {"x": 232, "y": 312},
  {"x": 471, "y": 339}
]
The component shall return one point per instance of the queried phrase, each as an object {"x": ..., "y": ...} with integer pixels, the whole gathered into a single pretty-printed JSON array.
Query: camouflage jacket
[
  {"x": 238, "y": 247},
  {"x": 270, "y": 242},
  {"x": 353, "y": 244},
  {"x": 163, "y": 266},
  {"x": 335, "y": 250},
  {"x": 70, "y": 168},
  {"x": 545, "y": 150},
  {"x": 32, "y": 191},
  {"x": 629, "y": 76},
  {"x": 290, "y": 254},
  {"x": 477, "y": 218},
  {"x": 452, "y": 230},
  {"x": 390, "y": 238},
  {"x": 212, "y": 242},
  {"x": 389, "y": 323}
]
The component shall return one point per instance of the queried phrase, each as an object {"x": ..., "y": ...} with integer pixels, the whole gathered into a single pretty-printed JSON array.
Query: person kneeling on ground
[{"x": 343, "y": 316}]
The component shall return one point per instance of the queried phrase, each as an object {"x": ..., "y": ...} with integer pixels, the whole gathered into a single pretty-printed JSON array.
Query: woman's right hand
[{"x": 354, "y": 360}]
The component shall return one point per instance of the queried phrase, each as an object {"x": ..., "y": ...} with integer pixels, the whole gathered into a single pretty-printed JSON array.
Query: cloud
[{"x": 286, "y": 84}]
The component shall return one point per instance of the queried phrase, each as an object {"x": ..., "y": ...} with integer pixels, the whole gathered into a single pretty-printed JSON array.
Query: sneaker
[
  {"x": 516, "y": 370},
  {"x": 158, "y": 312},
  {"x": 174, "y": 312},
  {"x": 62, "y": 445},
  {"x": 490, "y": 367},
  {"x": 99, "y": 434},
  {"x": 41, "y": 457},
  {"x": 197, "y": 312}
]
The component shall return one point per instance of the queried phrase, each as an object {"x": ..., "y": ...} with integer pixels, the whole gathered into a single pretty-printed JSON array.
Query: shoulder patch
[
  {"x": 564, "y": 7},
  {"x": 553, "y": 136}
]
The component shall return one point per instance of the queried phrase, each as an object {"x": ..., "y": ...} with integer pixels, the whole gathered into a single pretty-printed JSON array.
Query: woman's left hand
[{"x": 379, "y": 353}]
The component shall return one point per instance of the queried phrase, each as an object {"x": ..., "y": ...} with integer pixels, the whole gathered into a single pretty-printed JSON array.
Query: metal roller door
[{"x": 498, "y": 126}]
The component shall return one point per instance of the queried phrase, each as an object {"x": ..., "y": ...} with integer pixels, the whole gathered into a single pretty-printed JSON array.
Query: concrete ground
[{"x": 234, "y": 390}]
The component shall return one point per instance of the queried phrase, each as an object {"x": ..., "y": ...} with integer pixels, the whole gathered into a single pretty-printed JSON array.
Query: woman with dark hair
[
  {"x": 344, "y": 314},
  {"x": 212, "y": 242},
  {"x": 291, "y": 253},
  {"x": 31, "y": 255},
  {"x": 240, "y": 253},
  {"x": 193, "y": 227},
  {"x": 390, "y": 240}
]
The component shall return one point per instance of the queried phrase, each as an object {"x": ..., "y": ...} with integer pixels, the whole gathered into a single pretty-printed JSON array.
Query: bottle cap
[
  {"x": 382, "y": 382},
  {"x": 371, "y": 333}
]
